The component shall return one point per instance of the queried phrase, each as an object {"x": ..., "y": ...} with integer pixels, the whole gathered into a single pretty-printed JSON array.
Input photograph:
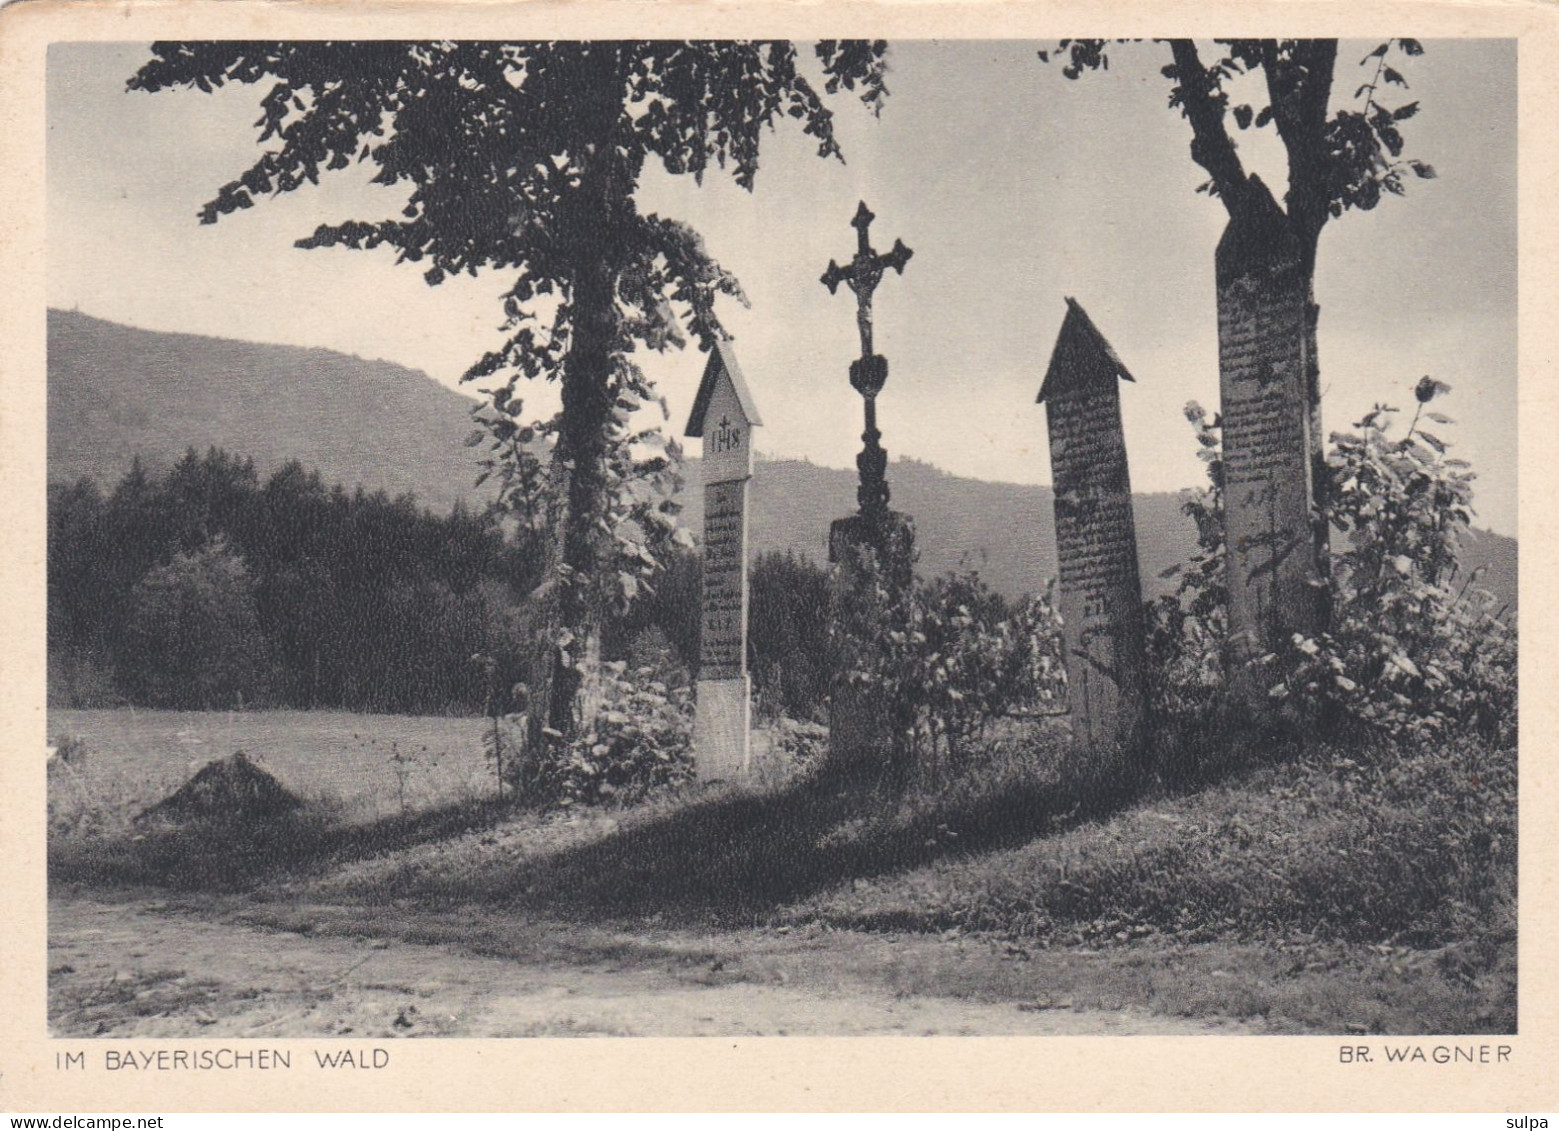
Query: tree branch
[
  {"x": 1211, "y": 146},
  {"x": 1299, "y": 87}
]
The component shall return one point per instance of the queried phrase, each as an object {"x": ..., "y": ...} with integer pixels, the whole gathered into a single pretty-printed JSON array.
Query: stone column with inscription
[
  {"x": 1096, "y": 541},
  {"x": 724, "y": 416},
  {"x": 1275, "y": 577},
  {"x": 874, "y": 564}
]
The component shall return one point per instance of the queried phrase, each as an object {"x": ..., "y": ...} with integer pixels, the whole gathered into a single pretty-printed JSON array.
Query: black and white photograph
[{"x": 780, "y": 538}]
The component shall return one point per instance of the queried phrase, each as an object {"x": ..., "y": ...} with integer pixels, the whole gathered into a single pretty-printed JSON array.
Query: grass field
[{"x": 362, "y": 766}]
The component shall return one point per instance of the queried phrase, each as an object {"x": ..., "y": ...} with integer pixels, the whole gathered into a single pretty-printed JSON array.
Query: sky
[{"x": 1013, "y": 186}]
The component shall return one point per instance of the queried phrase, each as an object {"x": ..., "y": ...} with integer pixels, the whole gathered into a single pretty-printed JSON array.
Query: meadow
[{"x": 362, "y": 767}]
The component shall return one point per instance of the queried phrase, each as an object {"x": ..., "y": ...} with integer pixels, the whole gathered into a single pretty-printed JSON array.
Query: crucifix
[{"x": 869, "y": 372}]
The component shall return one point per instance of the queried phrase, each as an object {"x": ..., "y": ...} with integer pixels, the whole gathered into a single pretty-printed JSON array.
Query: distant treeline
[{"x": 203, "y": 588}]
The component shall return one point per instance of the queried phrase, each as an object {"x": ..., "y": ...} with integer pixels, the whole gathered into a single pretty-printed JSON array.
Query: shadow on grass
[
  {"x": 734, "y": 859},
  {"x": 238, "y": 855},
  {"x": 728, "y": 859}
]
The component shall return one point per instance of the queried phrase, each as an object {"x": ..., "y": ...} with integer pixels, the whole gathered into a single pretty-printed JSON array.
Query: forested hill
[{"x": 116, "y": 392}]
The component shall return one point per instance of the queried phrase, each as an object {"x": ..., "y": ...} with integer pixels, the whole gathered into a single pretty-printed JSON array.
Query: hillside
[
  {"x": 1005, "y": 531},
  {"x": 116, "y": 392},
  {"x": 1001, "y": 530}
]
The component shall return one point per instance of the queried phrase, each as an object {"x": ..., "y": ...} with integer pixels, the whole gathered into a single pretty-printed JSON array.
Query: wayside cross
[{"x": 870, "y": 371}]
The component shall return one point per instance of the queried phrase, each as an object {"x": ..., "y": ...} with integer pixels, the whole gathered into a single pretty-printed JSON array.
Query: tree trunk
[
  {"x": 1299, "y": 89},
  {"x": 593, "y": 236},
  {"x": 1300, "y": 92},
  {"x": 587, "y": 407}
]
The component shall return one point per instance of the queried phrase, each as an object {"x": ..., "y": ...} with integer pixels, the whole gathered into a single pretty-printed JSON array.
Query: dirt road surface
[{"x": 144, "y": 968}]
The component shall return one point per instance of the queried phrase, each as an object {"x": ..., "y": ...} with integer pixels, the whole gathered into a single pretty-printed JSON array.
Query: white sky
[{"x": 1013, "y": 186}]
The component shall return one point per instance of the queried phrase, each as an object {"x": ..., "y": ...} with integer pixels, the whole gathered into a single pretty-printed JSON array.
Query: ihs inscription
[{"x": 728, "y": 437}]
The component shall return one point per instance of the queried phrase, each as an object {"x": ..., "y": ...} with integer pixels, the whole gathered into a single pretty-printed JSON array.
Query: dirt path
[{"x": 140, "y": 968}]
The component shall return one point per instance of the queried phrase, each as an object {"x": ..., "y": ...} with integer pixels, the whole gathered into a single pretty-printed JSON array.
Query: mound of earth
[{"x": 228, "y": 791}]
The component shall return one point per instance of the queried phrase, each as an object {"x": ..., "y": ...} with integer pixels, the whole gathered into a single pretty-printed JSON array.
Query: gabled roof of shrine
[
  {"x": 722, "y": 361},
  {"x": 1082, "y": 356}
]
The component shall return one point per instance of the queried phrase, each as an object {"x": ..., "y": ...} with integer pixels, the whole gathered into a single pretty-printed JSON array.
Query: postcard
[{"x": 761, "y": 557}]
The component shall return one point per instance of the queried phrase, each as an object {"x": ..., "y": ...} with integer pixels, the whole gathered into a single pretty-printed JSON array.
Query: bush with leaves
[
  {"x": 641, "y": 740},
  {"x": 979, "y": 660},
  {"x": 1187, "y": 628},
  {"x": 951, "y": 658},
  {"x": 1414, "y": 649}
]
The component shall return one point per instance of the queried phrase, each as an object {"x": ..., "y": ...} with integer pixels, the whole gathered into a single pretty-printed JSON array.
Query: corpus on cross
[{"x": 870, "y": 371}]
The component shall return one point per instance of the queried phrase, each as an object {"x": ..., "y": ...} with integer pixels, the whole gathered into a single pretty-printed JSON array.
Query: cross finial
[
  {"x": 870, "y": 371},
  {"x": 862, "y": 221},
  {"x": 865, "y": 272}
]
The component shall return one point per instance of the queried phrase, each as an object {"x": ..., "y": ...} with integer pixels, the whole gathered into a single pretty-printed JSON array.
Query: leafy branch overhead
[
  {"x": 491, "y": 142},
  {"x": 1336, "y": 160}
]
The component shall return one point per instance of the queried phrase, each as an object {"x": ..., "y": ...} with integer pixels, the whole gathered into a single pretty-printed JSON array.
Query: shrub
[
  {"x": 785, "y": 750},
  {"x": 1187, "y": 628},
  {"x": 800, "y": 745},
  {"x": 1414, "y": 651},
  {"x": 788, "y": 646},
  {"x": 639, "y": 741},
  {"x": 69, "y": 751},
  {"x": 76, "y": 805},
  {"x": 951, "y": 657}
]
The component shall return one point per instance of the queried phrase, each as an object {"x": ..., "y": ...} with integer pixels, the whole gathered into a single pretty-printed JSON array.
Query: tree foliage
[
  {"x": 525, "y": 158},
  {"x": 1337, "y": 160},
  {"x": 195, "y": 632}
]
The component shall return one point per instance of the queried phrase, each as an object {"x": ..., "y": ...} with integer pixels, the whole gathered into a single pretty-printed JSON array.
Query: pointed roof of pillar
[
  {"x": 1260, "y": 235},
  {"x": 1081, "y": 357},
  {"x": 722, "y": 363}
]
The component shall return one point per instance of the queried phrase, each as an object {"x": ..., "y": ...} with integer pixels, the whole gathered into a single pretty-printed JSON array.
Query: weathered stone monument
[
  {"x": 876, "y": 540},
  {"x": 1096, "y": 540},
  {"x": 724, "y": 416},
  {"x": 1275, "y": 570}
]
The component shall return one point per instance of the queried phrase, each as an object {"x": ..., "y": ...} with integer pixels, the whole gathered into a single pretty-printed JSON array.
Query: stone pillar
[
  {"x": 867, "y": 552},
  {"x": 723, "y": 416},
  {"x": 1096, "y": 541},
  {"x": 1275, "y": 579}
]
